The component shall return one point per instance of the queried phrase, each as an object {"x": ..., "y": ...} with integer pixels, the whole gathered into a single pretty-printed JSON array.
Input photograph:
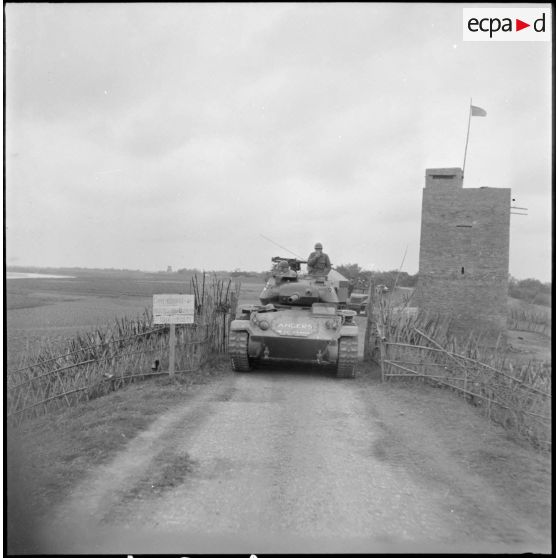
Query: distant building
[
  {"x": 169, "y": 269},
  {"x": 464, "y": 252}
]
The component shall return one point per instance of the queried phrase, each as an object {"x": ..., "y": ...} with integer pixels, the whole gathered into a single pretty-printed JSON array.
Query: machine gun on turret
[{"x": 294, "y": 263}]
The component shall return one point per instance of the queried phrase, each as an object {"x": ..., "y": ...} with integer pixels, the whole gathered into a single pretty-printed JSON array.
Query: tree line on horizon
[{"x": 529, "y": 290}]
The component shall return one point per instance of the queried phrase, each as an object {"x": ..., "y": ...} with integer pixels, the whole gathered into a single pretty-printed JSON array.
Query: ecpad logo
[
  {"x": 507, "y": 24},
  {"x": 493, "y": 25}
]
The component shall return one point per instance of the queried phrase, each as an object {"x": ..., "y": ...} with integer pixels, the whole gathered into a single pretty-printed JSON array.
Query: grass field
[
  {"x": 523, "y": 345},
  {"x": 44, "y": 309},
  {"x": 41, "y": 309},
  {"x": 250, "y": 292}
]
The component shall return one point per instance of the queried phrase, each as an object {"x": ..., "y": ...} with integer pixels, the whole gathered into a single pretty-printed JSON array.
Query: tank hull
[
  {"x": 292, "y": 348},
  {"x": 301, "y": 318},
  {"x": 310, "y": 335}
]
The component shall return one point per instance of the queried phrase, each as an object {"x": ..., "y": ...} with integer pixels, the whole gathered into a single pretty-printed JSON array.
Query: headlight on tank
[{"x": 263, "y": 324}]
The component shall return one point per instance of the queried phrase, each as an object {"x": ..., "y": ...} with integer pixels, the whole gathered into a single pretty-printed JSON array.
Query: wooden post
[
  {"x": 172, "y": 344},
  {"x": 382, "y": 358},
  {"x": 370, "y": 323},
  {"x": 63, "y": 388}
]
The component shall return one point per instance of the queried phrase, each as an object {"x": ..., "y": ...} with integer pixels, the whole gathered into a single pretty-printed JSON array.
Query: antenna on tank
[
  {"x": 282, "y": 247},
  {"x": 400, "y": 267}
]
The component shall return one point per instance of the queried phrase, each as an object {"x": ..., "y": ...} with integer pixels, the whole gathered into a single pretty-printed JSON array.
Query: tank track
[
  {"x": 348, "y": 356},
  {"x": 238, "y": 351}
]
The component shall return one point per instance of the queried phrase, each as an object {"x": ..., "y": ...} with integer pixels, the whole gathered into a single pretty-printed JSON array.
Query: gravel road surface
[{"x": 294, "y": 460}]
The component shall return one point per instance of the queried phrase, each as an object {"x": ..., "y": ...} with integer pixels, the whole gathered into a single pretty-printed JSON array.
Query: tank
[{"x": 301, "y": 318}]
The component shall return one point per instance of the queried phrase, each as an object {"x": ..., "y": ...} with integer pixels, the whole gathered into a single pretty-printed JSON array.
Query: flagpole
[{"x": 467, "y": 140}]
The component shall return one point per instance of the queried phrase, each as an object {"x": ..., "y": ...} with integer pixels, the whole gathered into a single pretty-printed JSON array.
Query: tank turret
[{"x": 288, "y": 287}]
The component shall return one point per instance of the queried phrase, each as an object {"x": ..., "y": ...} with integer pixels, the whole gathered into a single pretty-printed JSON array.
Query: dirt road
[{"x": 294, "y": 460}]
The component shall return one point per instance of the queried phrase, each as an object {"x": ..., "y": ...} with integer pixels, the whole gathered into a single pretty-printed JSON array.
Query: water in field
[
  {"x": 18, "y": 275},
  {"x": 43, "y": 307}
]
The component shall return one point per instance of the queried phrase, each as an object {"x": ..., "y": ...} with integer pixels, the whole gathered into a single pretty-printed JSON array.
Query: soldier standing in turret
[{"x": 318, "y": 262}]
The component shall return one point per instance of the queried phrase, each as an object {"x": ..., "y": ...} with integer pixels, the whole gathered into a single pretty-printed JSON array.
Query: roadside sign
[{"x": 173, "y": 309}]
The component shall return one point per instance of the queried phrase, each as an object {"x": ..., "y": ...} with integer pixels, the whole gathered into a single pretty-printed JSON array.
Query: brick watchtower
[{"x": 464, "y": 252}]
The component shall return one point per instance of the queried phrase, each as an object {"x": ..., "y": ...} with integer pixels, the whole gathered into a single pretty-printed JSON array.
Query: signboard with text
[{"x": 173, "y": 309}]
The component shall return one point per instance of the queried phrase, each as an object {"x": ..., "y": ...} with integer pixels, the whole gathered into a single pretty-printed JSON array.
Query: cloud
[{"x": 157, "y": 131}]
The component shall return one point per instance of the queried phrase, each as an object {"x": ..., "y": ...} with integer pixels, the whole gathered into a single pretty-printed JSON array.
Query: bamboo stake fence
[
  {"x": 414, "y": 346},
  {"x": 524, "y": 320},
  {"x": 94, "y": 363}
]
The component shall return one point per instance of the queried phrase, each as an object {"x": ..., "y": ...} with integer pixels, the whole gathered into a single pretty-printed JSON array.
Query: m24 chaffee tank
[{"x": 300, "y": 318}]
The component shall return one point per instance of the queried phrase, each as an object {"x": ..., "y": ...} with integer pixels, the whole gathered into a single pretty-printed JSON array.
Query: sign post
[
  {"x": 172, "y": 346},
  {"x": 173, "y": 309}
]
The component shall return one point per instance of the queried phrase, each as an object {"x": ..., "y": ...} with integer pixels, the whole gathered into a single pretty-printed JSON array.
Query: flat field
[
  {"x": 53, "y": 309},
  {"x": 250, "y": 292}
]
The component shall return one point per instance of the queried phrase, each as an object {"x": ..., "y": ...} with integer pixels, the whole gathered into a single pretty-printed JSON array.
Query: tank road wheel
[
  {"x": 348, "y": 355},
  {"x": 238, "y": 351}
]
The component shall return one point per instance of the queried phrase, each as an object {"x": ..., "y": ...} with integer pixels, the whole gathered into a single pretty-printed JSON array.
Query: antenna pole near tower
[{"x": 467, "y": 139}]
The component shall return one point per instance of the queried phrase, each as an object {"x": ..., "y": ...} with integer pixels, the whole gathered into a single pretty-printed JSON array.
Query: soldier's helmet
[
  {"x": 281, "y": 267},
  {"x": 318, "y": 246}
]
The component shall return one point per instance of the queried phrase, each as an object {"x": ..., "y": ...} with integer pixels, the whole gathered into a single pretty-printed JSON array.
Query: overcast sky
[{"x": 145, "y": 135}]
